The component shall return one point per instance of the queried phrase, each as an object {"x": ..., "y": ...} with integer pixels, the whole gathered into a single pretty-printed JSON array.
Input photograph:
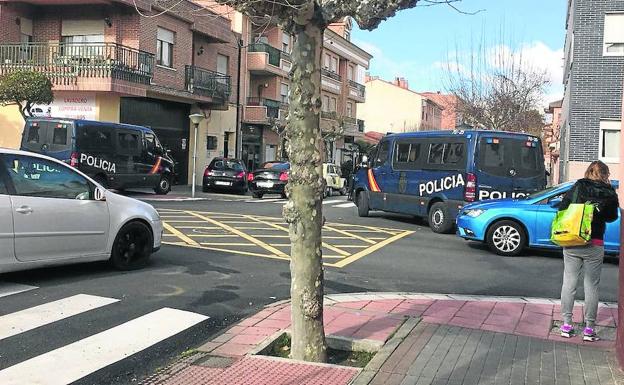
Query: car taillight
[
  {"x": 470, "y": 192},
  {"x": 249, "y": 177},
  {"x": 240, "y": 175},
  {"x": 73, "y": 159},
  {"x": 283, "y": 177},
  {"x": 208, "y": 172}
]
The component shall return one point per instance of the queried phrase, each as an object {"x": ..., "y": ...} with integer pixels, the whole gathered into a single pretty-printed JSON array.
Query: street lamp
[{"x": 196, "y": 119}]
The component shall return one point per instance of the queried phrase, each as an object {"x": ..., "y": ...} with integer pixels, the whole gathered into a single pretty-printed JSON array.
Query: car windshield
[
  {"x": 545, "y": 193},
  {"x": 227, "y": 165},
  {"x": 276, "y": 165}
]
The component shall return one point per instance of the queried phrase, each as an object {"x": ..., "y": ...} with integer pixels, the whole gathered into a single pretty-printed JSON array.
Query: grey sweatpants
[{"x": 589, "y": 258}]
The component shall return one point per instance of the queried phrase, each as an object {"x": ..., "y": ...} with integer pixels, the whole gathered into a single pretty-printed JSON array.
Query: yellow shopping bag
[{"x": 572, "y": 226}]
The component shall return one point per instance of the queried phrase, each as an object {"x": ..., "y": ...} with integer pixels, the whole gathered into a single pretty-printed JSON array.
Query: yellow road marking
[
  {"x": 236, "y": 222},
  {"x": 278, "y": 227},
  {"x": 355, "y": 246},
  {"x": 212, "y": 235},
  {"x": 333, "y": 256},
  {"x": 179, "y": 234},
  {"x": 199, "y": 227},
  {"x": 382, "y": 229},
  {"x": 270, "y": 236},
  {"x": 226, "y": 250},
  {"x": 251, "y": 239},
  {"x": 226, "y": 244},
  {"x": 257, "y": 228},
  {"x": 178, "y": 221},
  {"x": 349, "y": 234},
  {"x": 371, "y": 249},
  {"x": 280, "y": 244}
]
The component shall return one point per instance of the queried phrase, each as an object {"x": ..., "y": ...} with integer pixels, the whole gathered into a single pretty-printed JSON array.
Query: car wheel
[
  {"x": 257, "y": 195},
  {"x": 440, "y": 221},
  {"x": 506, "y": 238},
  {"x": 101, "y": 180},
  {"x": 164, "y": 185},
  {"x": 362, "y": 204},
  {"x": 132, "y": 247}
]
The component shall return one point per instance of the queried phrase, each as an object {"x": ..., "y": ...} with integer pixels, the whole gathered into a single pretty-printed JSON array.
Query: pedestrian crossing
[{"x": 78, "y": 359}]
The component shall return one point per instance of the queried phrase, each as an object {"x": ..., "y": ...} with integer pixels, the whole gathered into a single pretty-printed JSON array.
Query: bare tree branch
[{"x": 431, "y": 3}]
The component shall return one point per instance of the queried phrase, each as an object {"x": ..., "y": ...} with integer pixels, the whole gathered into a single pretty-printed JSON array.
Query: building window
[
  {"x": 164, "y": 47},
  {"x": 351, "y": 73},
  {"x": 614, "y": 34},
  {"x": 350, "y": 109},
  {"x": 284, "y": 92},
  {"x": 334, "y": 65},
  {"x": 326, "y": 103},
  {"x": 223, "y": 64},
  {"x": 333, "y": 105},
  {"x": 285, "y": 42},
  {"x": 609, "y": 145},
  {"x": 327, "y": 62}
]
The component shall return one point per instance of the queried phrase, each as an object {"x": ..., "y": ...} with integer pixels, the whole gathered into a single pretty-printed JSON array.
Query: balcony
[
  {"x": 264, "y": 59},
  {"x": 65, "y": 63},
  {"x": 207, "y": 83},
  {"x": 357, "y": 91},
  {"x": 330, "y": 115},
  {"x": 267, "y": 111},
  {"x": 331, "y": 81}
]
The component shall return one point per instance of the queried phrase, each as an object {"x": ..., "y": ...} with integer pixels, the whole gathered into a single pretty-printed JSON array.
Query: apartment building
[
  {"x": 593, "y": 77},
  {"x": 268, "y": 64},
  {"x": 393, "y": 107},
  {"x": 450, "y": 118},
  {"x": 550, "y": 140},
  {"x": 130, "y": 62}
]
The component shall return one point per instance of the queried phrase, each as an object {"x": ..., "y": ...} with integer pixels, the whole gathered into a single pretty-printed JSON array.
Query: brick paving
[
  {"x": 421, "y": 338},
  {"x": 446, "y": 354}
]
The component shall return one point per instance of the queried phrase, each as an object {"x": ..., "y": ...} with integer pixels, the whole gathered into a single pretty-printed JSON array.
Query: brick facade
[{"x": 593, "y": 81}]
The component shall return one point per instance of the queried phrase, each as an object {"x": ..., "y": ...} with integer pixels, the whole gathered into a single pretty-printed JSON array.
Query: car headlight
[{"x": 474, "y": 212}]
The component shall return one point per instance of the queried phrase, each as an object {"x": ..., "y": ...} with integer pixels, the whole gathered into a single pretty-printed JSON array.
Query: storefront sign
[{"x": 70, "y": 105}]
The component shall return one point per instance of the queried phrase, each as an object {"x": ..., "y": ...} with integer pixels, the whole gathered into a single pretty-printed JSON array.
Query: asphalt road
[{"x": 225, "y": 285}]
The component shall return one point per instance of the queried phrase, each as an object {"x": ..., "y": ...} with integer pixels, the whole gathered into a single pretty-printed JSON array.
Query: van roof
[
  {"x": 93, "y": 122},
  {"x": 455, "y": 132}
]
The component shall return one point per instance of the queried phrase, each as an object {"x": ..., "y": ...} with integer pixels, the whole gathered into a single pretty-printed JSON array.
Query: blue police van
[{"x": 434, "y": 174}]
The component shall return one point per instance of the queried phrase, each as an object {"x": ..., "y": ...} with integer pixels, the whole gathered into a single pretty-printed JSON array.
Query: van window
[
  {"x": 447, "y": 156},
  {"x": 93, "y": 139},
  {"x": 128, "y": 142},
  {"x": 35, "y": 134},
  {"x": 60, "y": 135},
  {"x": 436, "y": 152},
  {"x": 407, "y": 156},
  {"x": 454, "y": 153},
  {"x": 402, "y": 152},
  {"x": 382, "y": 154},
  {"x": 498, "y": 156}
]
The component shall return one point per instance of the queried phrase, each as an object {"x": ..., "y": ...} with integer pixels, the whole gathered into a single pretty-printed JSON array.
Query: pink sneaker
[
  {"x": 590, "y": 335},
  {"x": 567, "y": 331}
]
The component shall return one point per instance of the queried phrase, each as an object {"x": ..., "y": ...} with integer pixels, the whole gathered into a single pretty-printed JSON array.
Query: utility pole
[{"x": 239, "y": 139}]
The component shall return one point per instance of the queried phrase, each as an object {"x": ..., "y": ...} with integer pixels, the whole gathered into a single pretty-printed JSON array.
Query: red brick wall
[{"x": 9, "y": 13}]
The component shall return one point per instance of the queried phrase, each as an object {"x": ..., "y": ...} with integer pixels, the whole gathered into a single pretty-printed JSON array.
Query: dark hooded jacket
[{"x": 599, "y": 193}]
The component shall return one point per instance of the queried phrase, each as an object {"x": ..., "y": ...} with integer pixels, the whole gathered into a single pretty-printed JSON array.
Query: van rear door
[
  {"x": 508, "y": 166},
  {"x": 49, "y": 137}
]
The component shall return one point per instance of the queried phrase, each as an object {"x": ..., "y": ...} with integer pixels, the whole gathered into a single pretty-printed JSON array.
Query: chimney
[{"x": 401, "y": 82}]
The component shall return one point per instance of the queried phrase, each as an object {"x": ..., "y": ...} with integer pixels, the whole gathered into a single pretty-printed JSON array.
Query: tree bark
[{"x": 303, "y": 212}]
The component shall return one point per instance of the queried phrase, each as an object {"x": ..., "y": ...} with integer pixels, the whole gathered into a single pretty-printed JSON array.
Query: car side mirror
[{"x": 99, "y": 194}]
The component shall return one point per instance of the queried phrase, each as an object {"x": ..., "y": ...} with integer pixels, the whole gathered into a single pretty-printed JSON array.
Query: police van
[
  {"x": 434, "y": 174},
  {"x": 117, "y": 156}
]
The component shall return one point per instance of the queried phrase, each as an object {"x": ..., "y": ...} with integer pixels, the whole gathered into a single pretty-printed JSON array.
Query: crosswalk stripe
[
  {"x": 34, "y": 317},
  {"x": 344, "y": 205},
  {"x": 74, "y": 361},
  {"x": 9, "y": 288}
]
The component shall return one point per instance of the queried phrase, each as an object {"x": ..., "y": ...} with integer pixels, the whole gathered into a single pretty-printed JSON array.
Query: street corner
[{"x": 267, "y": 237}]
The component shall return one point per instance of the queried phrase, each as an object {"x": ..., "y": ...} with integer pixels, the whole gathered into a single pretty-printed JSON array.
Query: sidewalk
[{"x": 419, "y": 339}]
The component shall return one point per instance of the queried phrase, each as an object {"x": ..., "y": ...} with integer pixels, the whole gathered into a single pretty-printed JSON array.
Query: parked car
[
  {"x": 433, "y": 174},
  {"x": 510, "y": 225},
  {"x": 270, "y": 178},
  {"x": 52, "y": 214},
  {"x": 333, "y": 180},
  {"x": 117, "y": 156},
  {"x": 225, "y": 174}
]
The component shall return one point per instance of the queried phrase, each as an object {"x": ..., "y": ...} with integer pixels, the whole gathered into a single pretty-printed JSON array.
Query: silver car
[{"x": 51, "y": 214}]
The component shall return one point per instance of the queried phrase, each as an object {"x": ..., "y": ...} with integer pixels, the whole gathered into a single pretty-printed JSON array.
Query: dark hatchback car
[
  {"x": 225, "y": 174},
  {"x": 270, "y": 178}
]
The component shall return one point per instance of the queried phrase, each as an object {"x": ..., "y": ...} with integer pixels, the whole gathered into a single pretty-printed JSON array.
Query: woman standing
[{"x": 595, "y": 188}]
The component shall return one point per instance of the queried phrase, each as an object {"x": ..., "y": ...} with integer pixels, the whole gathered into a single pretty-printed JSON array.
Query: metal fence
[{"x": 207, "y": 83}]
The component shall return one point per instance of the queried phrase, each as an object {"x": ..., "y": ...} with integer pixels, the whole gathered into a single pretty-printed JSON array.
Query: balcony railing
[
  {"x": 207, "y": 83},
  {"x": 350, "y": 120},
  {"x": 64, "y": 62},
  {"x": 331, "y": 74},
  {"x": 360, "y": 124},
  {"x": 329, "y": 115},
  {"x": 275, "y": 55},
  {"x": 272, "y": 106},
  {"x": 361, "y": 88}
]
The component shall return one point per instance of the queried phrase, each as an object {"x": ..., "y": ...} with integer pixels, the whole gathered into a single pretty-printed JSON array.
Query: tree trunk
[{"x": 303, "y": 212}]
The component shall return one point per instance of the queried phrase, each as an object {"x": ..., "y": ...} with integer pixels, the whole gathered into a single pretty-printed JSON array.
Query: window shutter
[
  {"x": 82, "y": 27},
  {"x": 614, "y": 28},
  {"x": 165, "y": 35}
]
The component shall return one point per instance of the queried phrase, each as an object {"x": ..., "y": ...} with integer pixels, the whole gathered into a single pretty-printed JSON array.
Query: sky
[{"x": 418, "y": 43}]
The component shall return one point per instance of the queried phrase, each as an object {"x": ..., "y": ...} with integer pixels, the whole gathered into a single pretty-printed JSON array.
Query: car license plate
[
  {"x": 265, "y": 184},
  {"x": 219, "y": 183}
]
